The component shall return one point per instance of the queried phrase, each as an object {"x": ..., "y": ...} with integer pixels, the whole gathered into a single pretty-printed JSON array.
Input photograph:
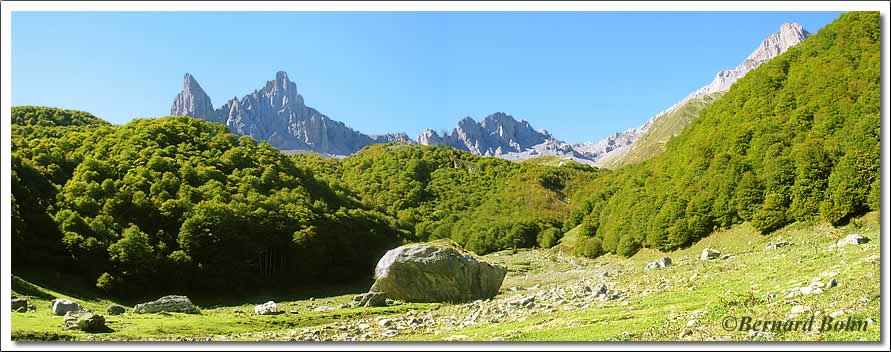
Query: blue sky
[{"x": 580, "y": 75}]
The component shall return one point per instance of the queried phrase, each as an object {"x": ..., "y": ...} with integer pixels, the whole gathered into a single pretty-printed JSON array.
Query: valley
[{"x": 684, "y": 302}]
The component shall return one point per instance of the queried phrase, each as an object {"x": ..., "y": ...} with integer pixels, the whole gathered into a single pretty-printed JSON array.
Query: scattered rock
[
  {"x": 854, "y": 239},
  {"x": 764, "y": 334},
  {"x": 85, "y": 321},
  {"x": 115, "y": 309},
  {"x": 384, "y": 322},
  {"x": 268, "y": 308},
  {"x": 800, "y": 309},
  {"x": 323, "y": 309},
  {"x": 435, "y": 273},
  {"x": 661, "y": 263},
  {"x": 180, "y": 304},
  {"x": 61, "y": 306},
  {"x": 686, "y": 332},
  {"x": 836, "y": 314},
  {"x": 709, "y": 254},
  {"x": 811, "y": 290},
  {"x": 778, "y": 243},
  {"x": 527, "y": 302},
  {"x": 872, "y": 258}
]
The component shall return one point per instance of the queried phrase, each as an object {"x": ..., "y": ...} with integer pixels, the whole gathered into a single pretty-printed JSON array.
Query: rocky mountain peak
[
  {"x": 790, "y": 34},
  {"x": 192, "y": 101},
  {"x": 276, "y": 114}
]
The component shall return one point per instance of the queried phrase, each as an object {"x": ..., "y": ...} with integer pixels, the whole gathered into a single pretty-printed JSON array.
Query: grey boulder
[
  {"x": 661, "y": 263},
  {"x": 180, "y": 304},
  {"x": 709, "y": 254},
  {"x": 854, "y": 238},
  {"x": 427, "y": 272},
  {"x": 115, "y": 309},
  {"x": 61, "y": 306},
  {"x": 268, "y": 308}
]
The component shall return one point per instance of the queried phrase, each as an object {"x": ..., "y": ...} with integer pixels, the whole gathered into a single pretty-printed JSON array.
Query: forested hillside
[
  {"x": 485, "y": 204},
  {"x": 795, "y": 139},
  {"x": 179, "y": 203}
]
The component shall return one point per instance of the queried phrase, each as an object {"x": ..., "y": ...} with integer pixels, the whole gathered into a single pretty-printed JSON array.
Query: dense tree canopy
[
  {"x": 484, "y": 204},
  {"x": 138, "y": 203},
  {"x": 795, "y": 139}
]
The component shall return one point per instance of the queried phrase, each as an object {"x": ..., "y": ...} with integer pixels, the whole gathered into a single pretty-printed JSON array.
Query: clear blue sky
[{"x": 580, "y": 75}]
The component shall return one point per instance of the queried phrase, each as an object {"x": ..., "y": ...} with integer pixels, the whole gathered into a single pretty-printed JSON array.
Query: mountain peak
[
  {"x": 281, "y": 76},
  {"x": 192, "y": 101}
]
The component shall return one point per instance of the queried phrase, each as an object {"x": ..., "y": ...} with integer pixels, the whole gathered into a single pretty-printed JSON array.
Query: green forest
[{"x": 181, "y": 203}]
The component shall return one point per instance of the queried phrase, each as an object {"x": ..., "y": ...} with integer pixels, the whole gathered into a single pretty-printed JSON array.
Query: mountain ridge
[
  {"x": 615, "y": 146},
  {"x": 277, "y": 114}
]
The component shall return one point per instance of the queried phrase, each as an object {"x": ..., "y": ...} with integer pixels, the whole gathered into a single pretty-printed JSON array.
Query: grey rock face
[
  {"x": 790, "y": 34},
  {"x": 171, "y": 303},
  {"x": 277, "y": 114},
  {"x": 192, "y": 101},
  {"x": 115, "y": 309},
  {"x": 62, "y": 306},
  {"x": 430, "y": 273},
  {"x": 86, "y": 321},
  {"x": 502, "y": 136}
]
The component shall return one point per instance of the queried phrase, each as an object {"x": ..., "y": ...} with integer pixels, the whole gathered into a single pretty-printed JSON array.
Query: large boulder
[
  {"x": 86, "y": 321},
  {"x": 61, "y": 306},
  {"x": 20, "y": 305},
  {"x": 268, "y": 308},
  {"x": 427, "y": 272},
  {"x": 115, "y": 309},
  {"x": 180, "y": 304}
]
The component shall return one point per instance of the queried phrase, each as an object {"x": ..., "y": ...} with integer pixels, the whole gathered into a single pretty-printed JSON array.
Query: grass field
[{"x": 687, "y": 301}]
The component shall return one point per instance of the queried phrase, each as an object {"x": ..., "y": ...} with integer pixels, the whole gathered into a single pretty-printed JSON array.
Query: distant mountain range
[{"x": 277, "y": 114}]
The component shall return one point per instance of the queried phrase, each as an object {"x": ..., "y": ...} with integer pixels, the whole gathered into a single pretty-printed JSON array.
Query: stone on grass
[
  {"x": 85, "y": 321},
  {"x": 268, "y": 308},
  {"x": 709, "y": 254},
  {"x": 427, "y": 272},
  {"x": 115, "y": 309},
  {"x": 778, "y": 243},
  {"x": 854, "y": 239},
  {"x": 61, "y": 306},
  {"x": 661, "y": 263},
  {"x": 172, "y": 303},
  {"x": 20, "y": 305},
  {"x": 323, "y": 309}
]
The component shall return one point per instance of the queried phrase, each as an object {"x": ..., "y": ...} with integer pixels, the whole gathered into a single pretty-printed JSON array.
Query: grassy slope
[
  {"x": 660, "y": 304},
  {"x": 663, "y": 128}
]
